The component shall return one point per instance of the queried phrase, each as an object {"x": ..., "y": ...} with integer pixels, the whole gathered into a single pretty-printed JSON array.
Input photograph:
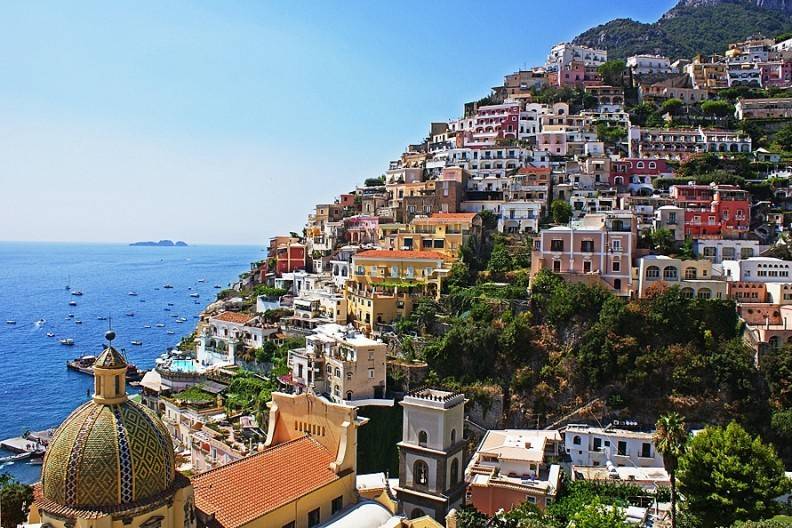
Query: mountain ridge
[{"x": 690, "y": 27}]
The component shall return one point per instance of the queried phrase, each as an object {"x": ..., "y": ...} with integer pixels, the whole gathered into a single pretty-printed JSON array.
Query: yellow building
[
  {"x": 384, "y": 285},
  {"x": 111, "y": 464},
  {"x": 444, "y": 233}
]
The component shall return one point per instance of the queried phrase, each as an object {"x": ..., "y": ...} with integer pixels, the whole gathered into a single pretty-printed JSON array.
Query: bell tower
[
  {"x": 110, "y": 371},
  {"x": 431, "y": 453}
]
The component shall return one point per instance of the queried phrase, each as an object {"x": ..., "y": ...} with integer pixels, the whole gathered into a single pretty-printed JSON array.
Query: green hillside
[{"x": 687, "y": 30}]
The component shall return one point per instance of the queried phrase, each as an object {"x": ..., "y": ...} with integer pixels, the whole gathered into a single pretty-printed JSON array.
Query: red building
[
  {"x": 637, "y": 170},
  {"x": 288, "y": 254},
  {"x": 713, "y": 211}
]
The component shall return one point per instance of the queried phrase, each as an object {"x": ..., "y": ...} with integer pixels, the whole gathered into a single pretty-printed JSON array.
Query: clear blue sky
[{"x": 223, "y": 122}]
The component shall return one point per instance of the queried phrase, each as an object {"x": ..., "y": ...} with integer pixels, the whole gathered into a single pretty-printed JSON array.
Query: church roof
[
  {"x": 247, "y": 489},
  {"x": 110, "y": 358}
]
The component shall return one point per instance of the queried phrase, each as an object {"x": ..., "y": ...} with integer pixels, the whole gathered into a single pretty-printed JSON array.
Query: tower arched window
[
  {"x": 423, "y": 438},
  {"x": 454, "y": 471},
  {"x": 576, "y": 440},
  {"x": 420, "y": 473},
  {"x": 453, "y": 436}
]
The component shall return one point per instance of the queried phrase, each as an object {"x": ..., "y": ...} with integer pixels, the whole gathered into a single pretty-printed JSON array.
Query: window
[
  {"x": 587, "y": 246},
  {"x": 597, "y": 443},
  {"x": 746, "y": 253},
  {"x": 337, "y": 504},
  {"x": 704, "y": 293},
  {"x": 646, "y": 450},
  {"x": 420, "y": 473},
  {"x": 621, "y": 448},
  {"x": 616, "y": 245},
  {"x": 652, "y": 272},
  {"x": 669, "y": 273},
  {"x": 453, "y": 436},
  {"x": 454, "y": 471},
  {"x": 690, "y": 273},
  {"x": 576, "y": 440},
  {"x": 557, "y": 266},
  {"x": 289, "y": 525},
  {"x": 313, "y": 517},
  {"x": 423, "y": 438},
  {"x": 371, "y": 373},
  {"x": 556, "y": 245},
  {"x": 709, "y": 251},
  {"x": 616, "y": 266},
  {"x": 587, "y": 266}
]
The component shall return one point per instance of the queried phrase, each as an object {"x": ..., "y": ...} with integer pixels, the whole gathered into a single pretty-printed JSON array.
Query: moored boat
[{"x": 68, "y": 341}]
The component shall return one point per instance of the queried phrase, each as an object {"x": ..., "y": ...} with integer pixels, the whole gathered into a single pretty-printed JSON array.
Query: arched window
[
  {"x": 704, "y": 293},
  {"x": 454, "y": 471},
  {"x": 690, "y": 273},
  {"x": 652, "y": 272},
  {"x": 349, "y": 395},
  {"x": 576, "y": 440},
  {"x": 773, "y": 342},
  {"x": 453, "y": 436},
  {"x": 423, "y": 438},
  {"x": 338, "y": 373},
  {"x": 669, "y": 273},
  {"x": 420, "y": 473},
  {"x": 687, "y": 293}
]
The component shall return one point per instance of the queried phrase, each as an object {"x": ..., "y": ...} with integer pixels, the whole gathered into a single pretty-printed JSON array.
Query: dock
[{"x": 34, "y": 441}]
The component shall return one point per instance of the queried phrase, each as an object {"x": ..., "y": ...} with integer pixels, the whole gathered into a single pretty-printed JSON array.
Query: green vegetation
[
  {"x": 699, "y": 29},
  {"x": 612, "y": 72},
  {"x": 194, "y": 394},
  {"x": 374, "y": 182},
  {"x": 611, "y": 134},
  {"x": 670, "y": 440},
  {"x": 269, "y": 291},
  {"x": 561, "y": 211},
  {"x": 15, "y": 500},
  {"x": 726, "y": 475}
]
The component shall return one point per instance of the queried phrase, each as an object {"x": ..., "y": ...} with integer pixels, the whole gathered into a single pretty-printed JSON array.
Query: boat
[
  {"x": 201, "y": 280},
  {"x": 67, "y": 341},
  {"x": 130, "y": 314},
  {"x": 146, "y": 326},
  {"x": 179, "y": 321},
  {"x": 77, "y": 321},
  {"x": 50, "y": 334},
  {"x": 77, "y": 293},
  {"x": 40, "y": 322},
  {"x": 194, "y": 295},
  {"x": 101, "y": 318},
  {"x": 217, "y": 286},
  {"x": 168, "y": 287},
  {"x": 70, "y": 316},
  {"x": 170, "y": 304},
  {"x": 167, "y": 309},
  {"x": 72, "y": 303},
  {"x": 160, "y": 325},
  {"x": 84, "y": 364},
  {"x": 132, "y": 294},
  {"x": 170, "y": 332},
  {"x": 136, "y": 342},
  {"x": 10, "y": 322}
]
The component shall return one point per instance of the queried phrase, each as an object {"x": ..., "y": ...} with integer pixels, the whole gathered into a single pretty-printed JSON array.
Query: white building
[
  {"x": 562, "y": 55},
  {"x": 757, "y": 269},
  {"x": 649, "y": 64},
  {"x": 227, "y": 334},
  {"x": 520, "y": 216},
  {"x": 718, "y": 250},
  {"x": 595, "y": 446}
]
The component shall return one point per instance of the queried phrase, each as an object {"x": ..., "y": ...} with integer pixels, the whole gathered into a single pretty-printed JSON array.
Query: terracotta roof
[
  {"x": 442, "y": 218},
  {"x": 247, "y": 489},
  {"x": 399, "y": 254},
  {"x": 234, "y": 317}
]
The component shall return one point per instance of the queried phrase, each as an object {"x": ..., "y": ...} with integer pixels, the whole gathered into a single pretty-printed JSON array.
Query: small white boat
[
  {"x": 72, "y": 303},
  {"x": 168, "y": 286},
  {"x": 194, "y": 295},
  {"x": 40, "y": 322},
  {"x": 146, "y": 326},
  {"x": 10, "y": 322},
  {"x": 130, "y": 314},
  {"x": 50, "y": 334},
  {"x": 201, "y": 280},
  {"x": 77, "y": 321},
  {"x": 132, "y": 294},
  {"x": 68, "y": 341},
  {"x": 136, "y": 342},
  {"x": 160, "y": 325},
  {"x": 170, "y": 332},
  {"x": 77, "y": 293},
  {"x": 70, "y": 316}
]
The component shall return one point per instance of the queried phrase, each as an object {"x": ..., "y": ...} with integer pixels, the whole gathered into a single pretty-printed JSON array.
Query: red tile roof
[
  {"x": 399, "y": 254},
  {"x": 234, "y": 317},
  {"x": 247, "y": 489},
  {"x": 443, "y": 218}
]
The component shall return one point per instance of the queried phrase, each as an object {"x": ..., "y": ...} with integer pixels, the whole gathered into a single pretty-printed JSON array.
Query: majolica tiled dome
[{"x": 108, "y": 455}]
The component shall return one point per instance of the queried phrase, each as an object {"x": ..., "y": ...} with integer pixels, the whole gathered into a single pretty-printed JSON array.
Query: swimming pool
[{"x": 183, "y": 365}]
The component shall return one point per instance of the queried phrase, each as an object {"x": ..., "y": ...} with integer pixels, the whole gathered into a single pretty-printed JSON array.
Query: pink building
[
  {"x": 361, "y": 229},
  {"x": 638, "y": 170},
  {"x": 599, "y": 248}
]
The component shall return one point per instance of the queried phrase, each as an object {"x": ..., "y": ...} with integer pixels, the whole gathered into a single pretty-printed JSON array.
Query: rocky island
[{"x": 161, "y": 243}]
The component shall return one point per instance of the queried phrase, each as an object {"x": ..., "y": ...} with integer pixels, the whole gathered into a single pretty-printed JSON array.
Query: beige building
[
  {"x": 340, "y": 362},
  {"x": 695, "y": 278},
  {"x": 385, "y": 285}
]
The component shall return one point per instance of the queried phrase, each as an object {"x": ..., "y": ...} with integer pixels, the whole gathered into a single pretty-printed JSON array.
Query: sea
[{"x": 37, "y": 392}]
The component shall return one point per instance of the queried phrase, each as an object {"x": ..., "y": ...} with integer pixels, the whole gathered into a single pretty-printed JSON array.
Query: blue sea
[{"x": 36, "y": 390}]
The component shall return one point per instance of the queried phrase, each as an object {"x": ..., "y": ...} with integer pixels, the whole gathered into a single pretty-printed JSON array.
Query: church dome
[{"x": 110, "y": 452}]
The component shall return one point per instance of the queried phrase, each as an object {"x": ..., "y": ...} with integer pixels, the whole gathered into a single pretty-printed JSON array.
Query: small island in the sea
[{"x": 161, "y": 243}]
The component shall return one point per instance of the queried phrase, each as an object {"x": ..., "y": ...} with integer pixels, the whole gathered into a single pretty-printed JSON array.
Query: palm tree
[{"x": 670, "y": 438}]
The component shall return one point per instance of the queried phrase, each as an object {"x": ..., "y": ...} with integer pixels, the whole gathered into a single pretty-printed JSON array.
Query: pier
[{"x": 34, "y": 442}]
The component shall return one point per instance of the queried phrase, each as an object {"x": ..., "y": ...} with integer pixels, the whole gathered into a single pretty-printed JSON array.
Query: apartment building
[
  {"x": 708, "y": 75},
  {"x": 514, "y": 466},
  {"x": 757, "y": 269},
  {"x": 444, "y": 233},
  {"x": 717, "y": 250},
  {"x": 694, "y": 278},
  {"x": 681, "y": 143},
  {"x": 609, "y": 98},
  {"x": 713, "y": 211},
  {"x": 564, "y": 54},
  {"x": 649, "y": 65},
  {"x": 385, "y": 284},
  {"x": 594, "y": 446},
  {"x": 287, "y": 253},
  {"x": 596, "y": 249},
  {"x": 339, "y": 362},
  {"x": 229, "y": 333},
  {"x": 775, "y": 108}
]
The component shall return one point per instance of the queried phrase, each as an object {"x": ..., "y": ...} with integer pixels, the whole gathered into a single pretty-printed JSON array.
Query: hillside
[{"x": 692, "y": 26}]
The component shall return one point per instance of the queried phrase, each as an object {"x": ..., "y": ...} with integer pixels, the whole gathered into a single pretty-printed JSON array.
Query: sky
[{"x": 224, "y": 122}]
